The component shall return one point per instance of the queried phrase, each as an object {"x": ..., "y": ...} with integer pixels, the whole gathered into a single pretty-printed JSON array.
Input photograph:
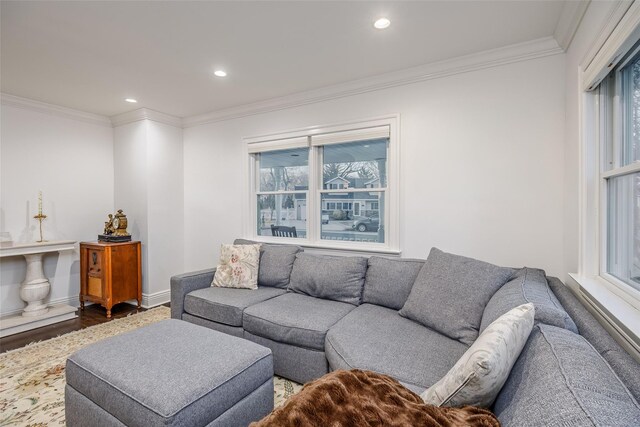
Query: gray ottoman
[{"x": 171, "y": 373}]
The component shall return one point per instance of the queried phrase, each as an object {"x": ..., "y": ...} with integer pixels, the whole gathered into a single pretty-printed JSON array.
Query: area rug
[{"x": 32, "y": 377}]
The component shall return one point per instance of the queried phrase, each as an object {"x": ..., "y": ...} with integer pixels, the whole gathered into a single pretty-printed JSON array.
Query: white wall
[
  {"x": 149, "y": 188},
  {"x": 590, "y": 27},
  {"x": 481, "y": 165},
  {"x": 71, "y": 161}
]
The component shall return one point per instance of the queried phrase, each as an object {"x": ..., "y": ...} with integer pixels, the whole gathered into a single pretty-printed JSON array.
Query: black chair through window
[{"x": 282, "y": 231}]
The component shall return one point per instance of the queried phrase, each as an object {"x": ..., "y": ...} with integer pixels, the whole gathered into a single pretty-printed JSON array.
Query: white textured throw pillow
[
  {"x": 238, "y": 267},
  {"x": 476, "y": 379}
]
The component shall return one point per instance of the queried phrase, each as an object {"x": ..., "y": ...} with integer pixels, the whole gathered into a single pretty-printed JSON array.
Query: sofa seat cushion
[
  {"x": 561, "y": 380},
  {"x": 295, "y": 319},
  {"x": 225, "y": 305},
  {"x": 528, "y": 285},
  {"x": 379, "y": 339}
]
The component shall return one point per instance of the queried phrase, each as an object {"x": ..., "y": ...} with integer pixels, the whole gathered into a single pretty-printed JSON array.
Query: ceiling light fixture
[
  {"x": 382, "y": 23},
  {"x": 220, "y": 73},
  {"x": 131, "y": 100}
]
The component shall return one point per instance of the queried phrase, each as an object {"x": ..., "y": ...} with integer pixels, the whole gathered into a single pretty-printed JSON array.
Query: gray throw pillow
[
  {"x": 389, "y": 281},
  {"x": 528, "y": 285},
  {"x": 329, "y": 277},
  {"x": 276, "y": 262},
  {"x": 451, "y": 292}
]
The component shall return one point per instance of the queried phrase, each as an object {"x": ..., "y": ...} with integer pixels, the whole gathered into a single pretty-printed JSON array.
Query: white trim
[
  {"x": 145, "y": 114},
  {"x": 624, "y": 309},
  {"x": 72, "y": 300},
  {"x": 533, "y": 49},
  {"x": 624, "y": 170},
  {"x": 54, "y": 110},
  {"x": 625, "y": 34},
  {"x": 156, "y": 298},
  {"x": 570, "y": 18},
  {"x": 365, "y": 134}
]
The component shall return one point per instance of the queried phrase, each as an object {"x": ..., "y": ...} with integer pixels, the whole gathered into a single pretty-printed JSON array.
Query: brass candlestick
[{"x": 40, "y": 217}]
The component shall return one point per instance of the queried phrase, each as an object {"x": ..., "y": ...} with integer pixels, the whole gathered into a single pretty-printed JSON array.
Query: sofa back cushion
[
  {"x": 329, "y": 277},
  {"x": 451, "y": 292},
  {"x": 389, "y": 281},
  {"x": 528, "y": 285},
  {"x": 560, "y": 379},
  {"x": 276, "y": 262}
]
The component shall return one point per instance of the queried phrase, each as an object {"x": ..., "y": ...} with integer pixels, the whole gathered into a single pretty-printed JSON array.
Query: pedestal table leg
[{"x": 35, "y": 287}]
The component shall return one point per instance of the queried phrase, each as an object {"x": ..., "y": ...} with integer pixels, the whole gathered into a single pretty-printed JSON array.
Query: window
[
  {"x": 331, "y": 183},
  {"x": 619, "y": 113},
  {"x": 618, "y": 118}
]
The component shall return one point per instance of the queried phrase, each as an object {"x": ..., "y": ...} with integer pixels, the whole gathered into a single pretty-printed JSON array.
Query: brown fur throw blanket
[{"x": 364, "y": 398}]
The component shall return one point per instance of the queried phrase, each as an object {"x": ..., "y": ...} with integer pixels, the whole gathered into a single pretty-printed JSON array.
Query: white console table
[{"x": 35, "y": 288}]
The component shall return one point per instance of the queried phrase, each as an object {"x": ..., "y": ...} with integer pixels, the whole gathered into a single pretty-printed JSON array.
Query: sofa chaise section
[{"x": 379, "y": 339}]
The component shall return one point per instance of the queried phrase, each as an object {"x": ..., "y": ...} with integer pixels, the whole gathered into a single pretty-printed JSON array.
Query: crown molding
[
  {"x": 54, "y": 110},
  {"x": 570, "y": 18},
  {"x": 145, "y": 114},
  {"x": 477, "y": 61}
]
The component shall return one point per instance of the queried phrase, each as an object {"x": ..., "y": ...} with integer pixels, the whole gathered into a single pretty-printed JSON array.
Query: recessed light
[
  {"x": 131, "y": 100},
  {"x": 220, "y": 73},
  {"x": 382, "y": 23}
]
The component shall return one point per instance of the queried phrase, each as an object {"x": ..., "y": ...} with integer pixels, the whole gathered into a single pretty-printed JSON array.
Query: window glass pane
[
  {"x": 359, "y": 220},
  {"x": 630, "y": 152},
  {"x": 287, "y": 210},
  {"x": 360, "y": 164},
  {"x": 285, "y": 170},
  {"x": 623, "y": 237}
]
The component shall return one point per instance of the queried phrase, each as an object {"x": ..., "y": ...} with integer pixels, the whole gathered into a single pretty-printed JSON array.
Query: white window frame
[
  {"x": 391, "y": 244},
  {"x": 616, "y": 297}
]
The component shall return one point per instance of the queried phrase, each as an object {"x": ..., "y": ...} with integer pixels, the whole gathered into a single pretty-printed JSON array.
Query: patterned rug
[{"x": 32, "y": 377}]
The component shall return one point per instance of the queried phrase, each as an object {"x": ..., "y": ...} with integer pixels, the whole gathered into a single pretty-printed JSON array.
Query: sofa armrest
[{"x": 182, "y": 284}]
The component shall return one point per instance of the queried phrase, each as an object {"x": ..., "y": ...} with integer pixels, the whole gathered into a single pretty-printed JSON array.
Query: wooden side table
[{"x": 110, "y": 273}]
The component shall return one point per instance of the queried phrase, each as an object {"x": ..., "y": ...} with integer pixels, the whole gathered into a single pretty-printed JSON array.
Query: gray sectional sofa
[{"x": 320, "y": 313}]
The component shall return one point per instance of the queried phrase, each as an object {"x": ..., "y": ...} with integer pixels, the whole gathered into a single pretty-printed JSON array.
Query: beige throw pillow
[
  {"x": 476, "y": 379},
  {"x": 238, "y": 267}
]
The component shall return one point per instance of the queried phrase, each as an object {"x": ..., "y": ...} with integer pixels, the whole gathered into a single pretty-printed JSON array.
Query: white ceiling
[{"x": 91, "y": 55}]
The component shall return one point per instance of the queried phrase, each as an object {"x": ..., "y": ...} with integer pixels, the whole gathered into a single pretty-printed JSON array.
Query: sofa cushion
[
  {"x": 238, "y": 267},
  {"x": 276, "y": 262},
  {"x": 389, "y": 281},
  {"x": 476, "y": 379},
  {"x": 561, "y": 380},
  {"x": 528, "y": 285},
  {"x": 294, "y": 319},
  {"x": 225, "y": 305},
  {"x": 329, "y": 277},
  {"x": 379, "y": 339},
  {"x": 451, "y": 292}
]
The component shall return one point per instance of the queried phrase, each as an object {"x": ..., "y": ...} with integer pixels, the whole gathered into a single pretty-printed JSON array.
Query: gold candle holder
[{"x": 40, "y": 217}]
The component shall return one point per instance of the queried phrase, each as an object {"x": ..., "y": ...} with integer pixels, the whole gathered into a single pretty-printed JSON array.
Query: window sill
[
  {"x": 623, "y": 309},
  {"x": 331, "y": 248}
]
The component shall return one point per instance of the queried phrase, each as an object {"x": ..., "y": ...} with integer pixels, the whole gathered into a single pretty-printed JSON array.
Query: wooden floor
[{"x": 92, "y": 315}]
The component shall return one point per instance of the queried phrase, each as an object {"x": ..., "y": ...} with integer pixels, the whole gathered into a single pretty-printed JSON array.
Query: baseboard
[
  {"x": 72, "y": 300},
  {"x": 156, "y": 298}
]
